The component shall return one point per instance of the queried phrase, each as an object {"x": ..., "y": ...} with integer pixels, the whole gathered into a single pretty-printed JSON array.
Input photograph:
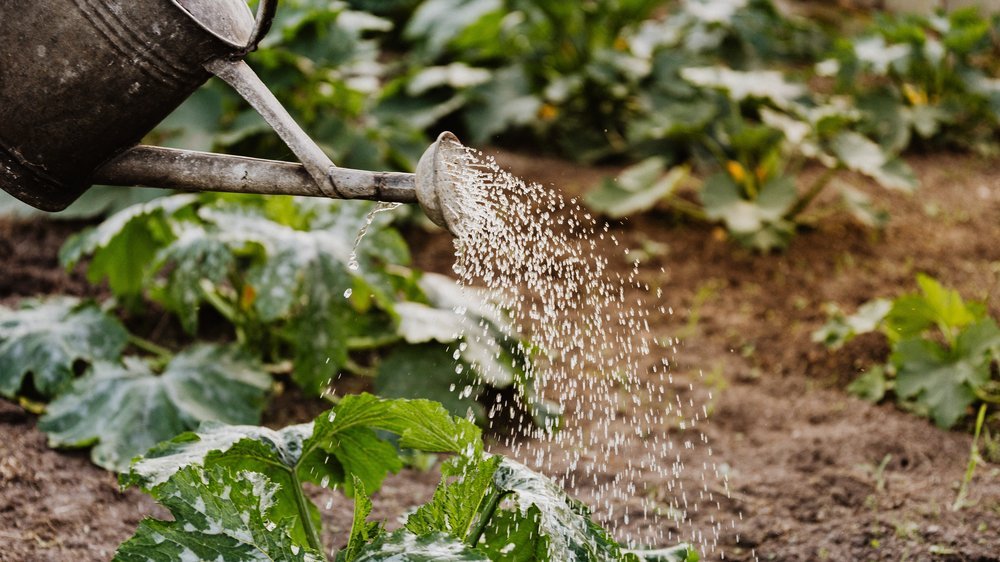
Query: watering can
[{"x": 83, "y": 81}]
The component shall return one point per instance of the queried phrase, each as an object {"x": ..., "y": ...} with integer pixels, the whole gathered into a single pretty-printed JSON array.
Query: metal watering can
[{"x": 82, "y": 81}]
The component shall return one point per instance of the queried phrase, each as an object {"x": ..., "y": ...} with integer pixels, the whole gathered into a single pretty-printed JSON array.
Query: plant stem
[
  {"x": 150, "y": 347},
  {"x": 685, "y": 207},
  {"x": 491, "y": 504},
  {"x": 312, "y": 533},
  {"x": 974, "y": 458},
  {"x": 811, "y": 194}
]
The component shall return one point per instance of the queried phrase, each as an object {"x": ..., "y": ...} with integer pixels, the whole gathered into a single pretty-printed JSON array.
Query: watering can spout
[
  {"x": 82, "y": 82},
  {"x": 433, "y": 186}
]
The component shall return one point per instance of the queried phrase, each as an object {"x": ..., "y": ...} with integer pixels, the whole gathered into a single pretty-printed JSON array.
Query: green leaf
[
  {"x": 506, "y": 102},
  {"x": 861, "y": 154},
  {"x": 126, "y": 409},
  {"x": 429, "y": 371},
  {"x": 513, "y": 536},
  {"x": 337, "y": 447},
  {"x": 460, "y": 501},
  {"x": 403, "y": 546},
  {"x": 759, "y": 224},
  {"x": 638, "y": 188},
  {"x": 193, "y": 257},
  {"x": 362, "y": 532},
  {"x": 218, "y": 515},
  {"x": 437, "y": 22},
  {"x": 936, "y": 305},
  {"x": 870, "y": 386},
  {"x": 841, "y": 329},
  {"x": 945, "y": 380},
  {"x": 123, "y": 246},
  {"x": 46, "y": 338},
  {"x": 760, "y": 84},
  {"x": 570, "y": 532}
]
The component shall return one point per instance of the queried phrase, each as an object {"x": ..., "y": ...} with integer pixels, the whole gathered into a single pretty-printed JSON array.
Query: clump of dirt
[{"x": 814, "y": 473}]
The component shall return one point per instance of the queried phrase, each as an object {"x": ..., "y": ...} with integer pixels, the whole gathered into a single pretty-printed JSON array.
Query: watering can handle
[{"x": 262, "y": 23}]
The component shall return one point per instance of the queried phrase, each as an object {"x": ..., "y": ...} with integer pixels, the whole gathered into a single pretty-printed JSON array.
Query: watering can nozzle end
[{"x": 437, "y": 182}]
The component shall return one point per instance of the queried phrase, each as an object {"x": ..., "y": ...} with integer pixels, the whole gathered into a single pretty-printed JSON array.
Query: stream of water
[
  {"x": 545, "y": 261},
  {"x": 627, "y": 435}
]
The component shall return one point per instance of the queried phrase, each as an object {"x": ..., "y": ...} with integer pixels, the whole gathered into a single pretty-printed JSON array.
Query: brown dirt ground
[{"x": 802, "y": 455}]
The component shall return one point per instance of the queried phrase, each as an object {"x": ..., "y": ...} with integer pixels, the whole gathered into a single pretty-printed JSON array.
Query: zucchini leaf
[
  {"x": 218, "y": 515},
  {"x": 126, "y": 408},
  {"x": 339, "y": 446},
  {"x": 46, "y": 338}
]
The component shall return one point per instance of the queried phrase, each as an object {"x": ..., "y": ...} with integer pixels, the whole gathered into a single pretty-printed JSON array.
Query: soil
[{"x": 814, "y": 473}]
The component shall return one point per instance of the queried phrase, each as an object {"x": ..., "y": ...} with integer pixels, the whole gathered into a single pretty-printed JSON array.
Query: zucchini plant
[
  {"x": 765, "y": 131},
  {"x": 922, "y": 78},
  {"x": 284, "y": 275},
  {"x": 944, "y": 351},
  {"x": 236, "y": 493}
]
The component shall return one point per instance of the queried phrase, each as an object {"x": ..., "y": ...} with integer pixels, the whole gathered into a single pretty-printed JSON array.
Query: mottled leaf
[
  {"x": 46, "y": 338},
  {"x": 127, "y": 408},
  {"x": 218, "y": 515},
  {"x": 760, "y": 223},
  {"x": 337, "y": 447},
  {"x": 403, "y": 546},
  {"x": 123, "y": 246}
]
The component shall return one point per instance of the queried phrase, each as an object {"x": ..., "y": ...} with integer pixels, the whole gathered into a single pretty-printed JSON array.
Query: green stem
[
  {"x": 811, "y": 194},
  {"x": 150, "y": 347},
  {"x": 492, "y": 502},
  {"x": 312, "y": 533},
  {"x": 688, "y": 208},
  {"x": 974, "y": 458}
]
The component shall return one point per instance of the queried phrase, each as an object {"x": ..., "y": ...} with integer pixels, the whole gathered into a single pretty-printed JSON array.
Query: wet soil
[{"x": 814, "y": 473}]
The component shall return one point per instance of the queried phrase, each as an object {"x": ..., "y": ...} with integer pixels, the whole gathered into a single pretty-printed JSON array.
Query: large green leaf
[
  {"x": 46, "y": 339},
  {"x": 461, "y": 501},
  {"x": 218, "y": 515},
  {"x": 638, "y": 188},
  {"x": 758, "y": 224},
  {"x": 429, "y": 371},
  {"x": 570, "y": 532},
  {"x": 945, "y": 380},
  {"x": 127, "y": 408},
  {"x": 861, "y": 154},
  {"x": 123, "y": 246},
  {"x": 193, "y": 258},
  {"x": 542, "y": 523},
  {"x": 341, "y": 445},
  {"x": 768, "y": 85}
]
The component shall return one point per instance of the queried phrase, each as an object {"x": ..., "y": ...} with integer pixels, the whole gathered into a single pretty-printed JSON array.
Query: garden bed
[{"x": 814, "y": 472}]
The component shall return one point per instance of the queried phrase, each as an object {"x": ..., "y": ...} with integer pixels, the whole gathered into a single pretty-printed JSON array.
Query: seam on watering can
[{"x": 131, "y": 44}]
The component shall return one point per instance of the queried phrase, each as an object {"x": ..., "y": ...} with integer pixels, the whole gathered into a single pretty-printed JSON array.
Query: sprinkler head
[{"x": 437, "y": 182}]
